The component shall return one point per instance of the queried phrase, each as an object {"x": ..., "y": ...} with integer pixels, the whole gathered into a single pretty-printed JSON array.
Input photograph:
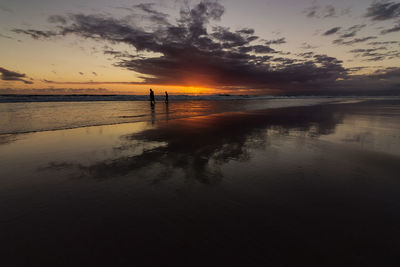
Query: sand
[{"x": 291, "y": 186}]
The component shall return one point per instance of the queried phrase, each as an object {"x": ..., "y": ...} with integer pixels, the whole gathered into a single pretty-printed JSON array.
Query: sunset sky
[{"x": 199, "y": 47}]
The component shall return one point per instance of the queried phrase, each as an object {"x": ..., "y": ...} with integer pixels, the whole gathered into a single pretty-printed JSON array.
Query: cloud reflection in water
[{"x": 199, "y": 146}]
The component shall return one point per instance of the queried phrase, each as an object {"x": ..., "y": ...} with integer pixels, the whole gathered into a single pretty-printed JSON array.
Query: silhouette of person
[
  {"x": 152, "y": 100},
  {"x": 166, "y": 97}
]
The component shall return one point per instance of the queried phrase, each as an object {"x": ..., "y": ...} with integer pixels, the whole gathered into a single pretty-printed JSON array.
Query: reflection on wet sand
[
  {"x": 198, "y": 146},
  {"x": 305, "y": 186},
  {"x": 8, "y": 138}
]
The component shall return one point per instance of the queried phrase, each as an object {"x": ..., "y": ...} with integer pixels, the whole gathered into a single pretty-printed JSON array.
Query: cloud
[
  {"x": 194, "y": 52},
  {"x": 388, "y": 73},
  {"x": 384, "y": 43},
  {"x": 36, "y": 34},
  {"x": 5, "y": 36},
  {"x": 57, "y": 19},
  {"x": 341, "y": 41},
  {"x": 153, "y": 15},
  {"x": 276, "y": 41},
  {"x": 312, "y": 12},
  {"x": 395, "y": 28},
  {"x": 316, "y": 11},
  {"x": 332, "y": 31},
  {"x": 352, "y": 31},
  {"x": 59, "y": 91},
  {"x": 345, "y": 33},
  {"x": 362, "y": 50},
  {"x": 8, "y": 75},
  {"x": 6, "y": 9},
  {"x": 383, "y": 10},
  {"x": 330, "y": 11},
  {"x": 307, "y": 46},
  {"x": 381, "y": 82},
  {"x": 376, "y": 54},
  {"x": 306, "y": 54},
  {"x": 90, "y": 82}
]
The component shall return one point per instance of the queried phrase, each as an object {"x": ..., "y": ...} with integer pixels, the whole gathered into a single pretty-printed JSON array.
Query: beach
[{"x": 232, "y": 183}]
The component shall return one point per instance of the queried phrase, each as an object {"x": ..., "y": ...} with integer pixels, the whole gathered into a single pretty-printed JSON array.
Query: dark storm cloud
[
  {"x": 192, "y": 51},
  {"x": 342, "y": 41},
  {"x": 383, "y": 10},
  {"x": 8, "y": 75},
  {"x": 332, "y": 31}
]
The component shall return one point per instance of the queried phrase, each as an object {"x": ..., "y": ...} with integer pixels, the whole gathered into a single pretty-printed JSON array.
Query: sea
[{"x": 35, "y": 113}]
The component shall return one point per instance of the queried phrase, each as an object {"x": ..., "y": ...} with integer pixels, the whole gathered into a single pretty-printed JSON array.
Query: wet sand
[{"x": 299, "y": 186}]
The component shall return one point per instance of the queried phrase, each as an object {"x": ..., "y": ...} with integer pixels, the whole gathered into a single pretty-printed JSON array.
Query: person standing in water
[
  {"x": 166, "y": 97},
  {"x": 152, "y": 100}
]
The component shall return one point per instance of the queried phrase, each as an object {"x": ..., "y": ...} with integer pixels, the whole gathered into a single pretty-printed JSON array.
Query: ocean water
[{"x": 22, "y": 114}]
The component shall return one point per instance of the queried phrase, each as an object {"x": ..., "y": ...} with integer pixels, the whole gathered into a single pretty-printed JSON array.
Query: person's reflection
[
  {"x": 166, "y": 111},
  {"x": 153, "y": 115}
]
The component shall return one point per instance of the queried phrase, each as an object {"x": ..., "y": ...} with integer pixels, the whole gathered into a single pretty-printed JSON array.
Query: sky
[{"x": 200, "y": 47}]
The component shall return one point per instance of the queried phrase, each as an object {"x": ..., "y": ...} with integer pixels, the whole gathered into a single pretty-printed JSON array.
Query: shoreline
[{"x": 337, "y": 102}]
